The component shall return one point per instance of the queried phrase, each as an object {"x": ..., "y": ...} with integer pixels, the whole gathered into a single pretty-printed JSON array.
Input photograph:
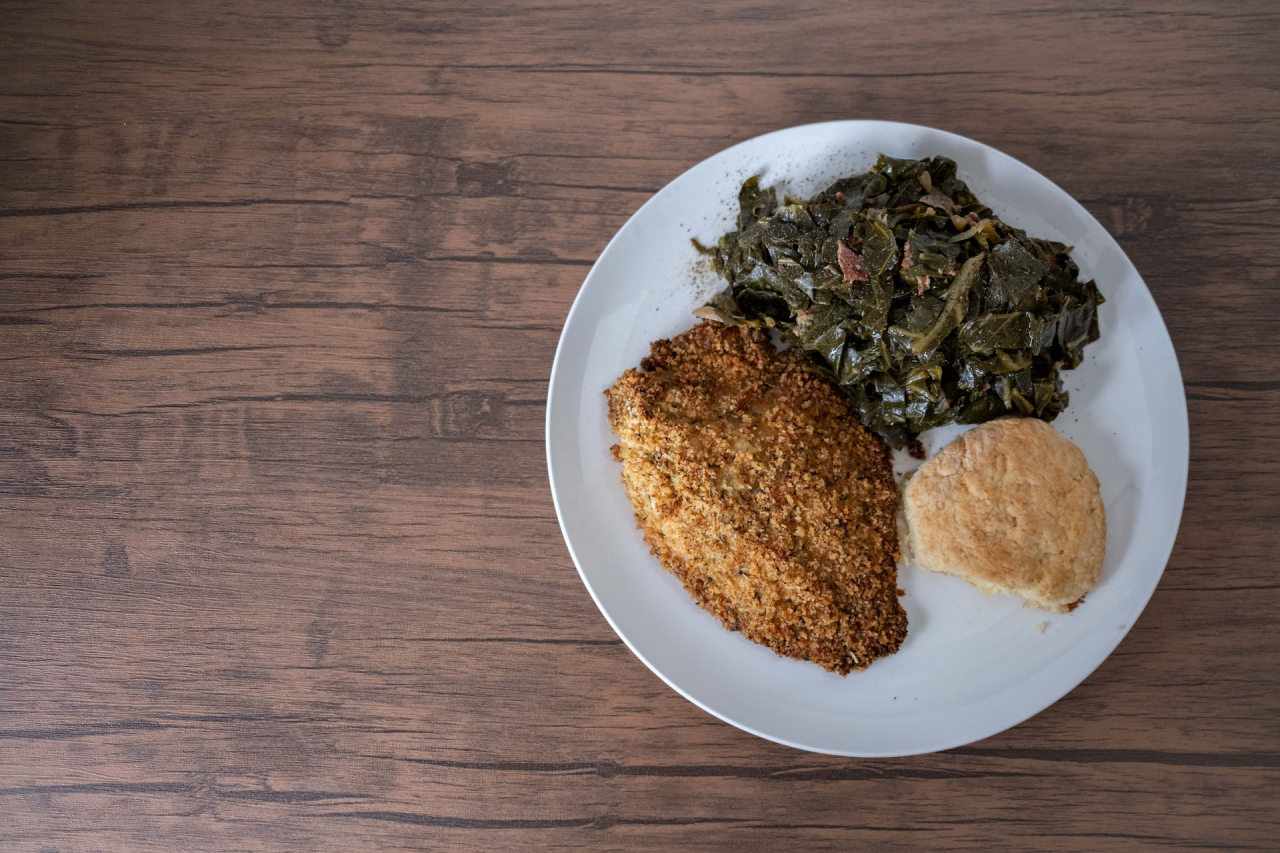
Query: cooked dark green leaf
[
  {"x": 911, "y": 294},
  {"x": 953, "y": 311},
  {"x": 753, "y": 202},
  {"x": 987, "y": 332},
  {"x": 1016, "y": 269}
]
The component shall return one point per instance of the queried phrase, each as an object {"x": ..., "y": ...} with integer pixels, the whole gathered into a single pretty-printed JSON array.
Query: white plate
[{"x": 971, "y": 665}]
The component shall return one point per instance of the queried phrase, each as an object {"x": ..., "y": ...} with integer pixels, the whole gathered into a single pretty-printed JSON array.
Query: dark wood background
[{"x": 280, "y": 285}]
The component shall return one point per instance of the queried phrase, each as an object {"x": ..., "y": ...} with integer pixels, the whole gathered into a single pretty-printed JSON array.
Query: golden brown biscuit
[{"x": 1011, "y": 507}]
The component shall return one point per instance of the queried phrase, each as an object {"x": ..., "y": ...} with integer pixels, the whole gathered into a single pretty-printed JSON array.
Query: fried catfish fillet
[{"x": 756, "y": 485}]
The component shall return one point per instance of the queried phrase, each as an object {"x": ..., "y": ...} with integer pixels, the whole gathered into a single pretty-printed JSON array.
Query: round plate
[{"x": 972, "y": 665}]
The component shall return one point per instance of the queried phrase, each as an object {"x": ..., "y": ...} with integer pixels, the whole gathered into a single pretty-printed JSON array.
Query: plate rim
[{"x": 1182, "y": 460}]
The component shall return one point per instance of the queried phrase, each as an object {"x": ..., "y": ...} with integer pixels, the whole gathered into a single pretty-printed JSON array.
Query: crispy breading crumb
[{"x": 755, "y": 484}]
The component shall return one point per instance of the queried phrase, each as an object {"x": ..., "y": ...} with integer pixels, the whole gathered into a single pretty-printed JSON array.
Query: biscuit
[{"x": 1012, "y": 507}]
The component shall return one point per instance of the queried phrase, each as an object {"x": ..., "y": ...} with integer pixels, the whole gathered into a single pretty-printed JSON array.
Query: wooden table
[{"x": 280, "y": 285}]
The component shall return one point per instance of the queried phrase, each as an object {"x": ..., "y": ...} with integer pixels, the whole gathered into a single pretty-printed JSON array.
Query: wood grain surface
[{"x": 280, "y": 286}]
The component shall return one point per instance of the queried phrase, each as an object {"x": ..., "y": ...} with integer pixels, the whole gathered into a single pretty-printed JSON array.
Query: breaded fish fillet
[{"x": 755, "y": 484}]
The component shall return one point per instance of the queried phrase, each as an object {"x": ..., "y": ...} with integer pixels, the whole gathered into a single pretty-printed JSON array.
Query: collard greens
[{"x": 911, "y": 295}]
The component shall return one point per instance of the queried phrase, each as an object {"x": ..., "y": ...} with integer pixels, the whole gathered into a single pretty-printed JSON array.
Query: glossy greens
[{"x": 910, "y": 294}]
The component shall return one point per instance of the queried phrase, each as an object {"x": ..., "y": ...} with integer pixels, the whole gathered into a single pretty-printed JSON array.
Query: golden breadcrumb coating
[
  {"x": 1012, "y": 507},
  {"x": 755, "y": 484}
]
